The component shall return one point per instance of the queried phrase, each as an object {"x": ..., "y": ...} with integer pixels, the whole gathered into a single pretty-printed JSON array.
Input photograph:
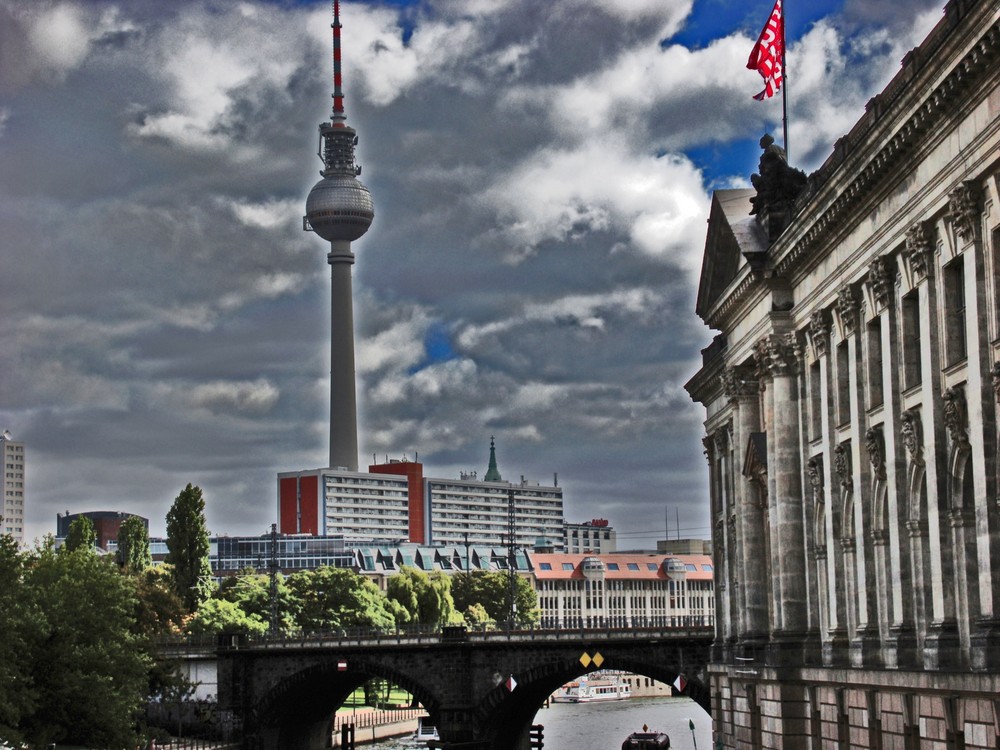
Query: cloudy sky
[{"x": 541, "y": 173}]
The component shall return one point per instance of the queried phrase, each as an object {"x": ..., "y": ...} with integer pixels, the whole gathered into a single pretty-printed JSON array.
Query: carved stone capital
[
  {"x": 819, "y": 332},
  {"x": 847, "y": 543},
  {"x": 847, "y": 309},
  {"x": 881, "y": 276},
  {"x": 709, "y": 442},
  {"x": 920, "y": 241},
  {"x": 961, "y": 518},
  {"x": 842, "y": 462},
  {"x": 917, "y": 529},
  {"x": 777, "y": 355},
  {"x": 740, "y": 383},
  {"x": 956, "y": 415},
  {"x": 910, "y": 430},
  {"x": 874, "y": 444},
  {"x": 964, "y": 209},
  {"x": 880, "y": 537}
]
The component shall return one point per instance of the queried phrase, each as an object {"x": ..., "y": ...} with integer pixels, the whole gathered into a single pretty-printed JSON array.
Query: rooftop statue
[{"x": 777, "y": 185}]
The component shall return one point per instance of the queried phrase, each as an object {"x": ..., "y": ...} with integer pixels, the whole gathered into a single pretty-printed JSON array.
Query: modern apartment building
[{"x": 12, "y": 521}]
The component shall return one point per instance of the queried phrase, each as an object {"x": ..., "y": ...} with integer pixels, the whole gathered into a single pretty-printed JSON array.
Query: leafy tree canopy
[
  {"x": 490, "y": 590},
  {"x": 187, "y": 542},
  {"x": 81, "y": 535},
  {"x": 133, "y": 545},
  {"x": 426, "y": 598},
  {"x": 90, "y": 667},
  {"x": 220, "y": 616},
  {"x": 334, "y": 598}
]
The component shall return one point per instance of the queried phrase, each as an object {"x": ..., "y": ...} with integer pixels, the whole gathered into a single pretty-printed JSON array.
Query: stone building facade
[{"x": 852, "y": 403}]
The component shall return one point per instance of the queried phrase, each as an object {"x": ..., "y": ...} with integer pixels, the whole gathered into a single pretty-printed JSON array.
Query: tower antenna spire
[
  {"x": 340, "y": 209},
  {"x": 338, "y": 116}
]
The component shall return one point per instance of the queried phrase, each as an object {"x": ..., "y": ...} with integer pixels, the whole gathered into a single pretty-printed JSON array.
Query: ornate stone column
[
  {"x": 941, "y": 645},
  {"x": 743, "y": 389},
  {"x": 780, "y": 355}
]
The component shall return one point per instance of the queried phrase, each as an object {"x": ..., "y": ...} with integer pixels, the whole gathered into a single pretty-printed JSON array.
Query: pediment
[{"x": 734, "y": 237}]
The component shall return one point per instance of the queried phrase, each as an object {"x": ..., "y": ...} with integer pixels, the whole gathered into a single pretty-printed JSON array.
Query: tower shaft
[{"x": 343, "y": 397}]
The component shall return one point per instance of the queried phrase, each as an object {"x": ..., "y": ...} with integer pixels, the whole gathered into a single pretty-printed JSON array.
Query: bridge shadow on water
[{"x": 283, "y": 693}]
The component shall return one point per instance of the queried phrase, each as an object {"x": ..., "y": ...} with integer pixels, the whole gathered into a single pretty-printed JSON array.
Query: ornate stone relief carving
[
  {"x": 963, "y": 209},
  {"x": 910, "y": 430},
  {"x": 876, "y": 452},
  {"x": 881, "y": 276},
  {"x": 919, "y": 245},
  {"x": 847, "y": 309},
  {"x": 819, "y": 332},
  {"x": 777, "y": 355},
  {"x": 996, "y": 381},
  {"x": 842, "y": 463},
  {"x": 955, "y": 415},
  {"x": 814, "y": 468},
  {"x": 739, "y": 382},
  {"x": 709, "y": 442}
]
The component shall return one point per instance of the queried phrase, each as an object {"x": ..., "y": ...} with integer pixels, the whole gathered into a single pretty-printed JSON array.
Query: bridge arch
[
  {"x": 506, "y": 716},
  {"x": 298, "y": 709}
]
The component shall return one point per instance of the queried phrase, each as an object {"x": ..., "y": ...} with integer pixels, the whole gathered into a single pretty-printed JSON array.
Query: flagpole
[{"x": 784, "y": 83}]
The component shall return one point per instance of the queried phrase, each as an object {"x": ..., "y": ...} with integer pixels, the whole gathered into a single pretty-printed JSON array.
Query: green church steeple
[{"x": 493, "y": 473}]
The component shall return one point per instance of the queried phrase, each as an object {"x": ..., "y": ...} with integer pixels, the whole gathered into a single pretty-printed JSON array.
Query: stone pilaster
[{"x": 785, "y": 470}]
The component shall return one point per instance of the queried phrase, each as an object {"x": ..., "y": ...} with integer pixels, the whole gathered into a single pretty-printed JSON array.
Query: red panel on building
[
  {"x": 309, "y": 503},
  {"x": 287, "y": 506},
  {"x": 414, "y": 473},
  {"x": 298, "y": 505}
]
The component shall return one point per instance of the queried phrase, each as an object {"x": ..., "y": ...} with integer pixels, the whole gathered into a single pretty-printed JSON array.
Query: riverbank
[{"x": 371, "y": 725}]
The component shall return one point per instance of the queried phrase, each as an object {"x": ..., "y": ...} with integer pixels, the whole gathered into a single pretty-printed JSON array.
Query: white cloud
[
  {"x": 254, "y": 398},
  {"x": 564, "y": 195}
]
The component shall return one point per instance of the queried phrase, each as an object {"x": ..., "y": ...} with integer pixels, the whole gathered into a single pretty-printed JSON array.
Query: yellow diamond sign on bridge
[
  {"x": 585, "y": 660},
  {"x": 598, "y": 659}
]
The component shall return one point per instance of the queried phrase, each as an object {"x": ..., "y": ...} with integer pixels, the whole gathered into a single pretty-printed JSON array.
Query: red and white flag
[
  {"x": 769, "y": 53},
  {"x": 680, "y": 683}
]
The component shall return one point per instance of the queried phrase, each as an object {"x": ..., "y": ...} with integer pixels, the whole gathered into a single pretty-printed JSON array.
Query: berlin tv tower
[{"x": 340, "y": 209}]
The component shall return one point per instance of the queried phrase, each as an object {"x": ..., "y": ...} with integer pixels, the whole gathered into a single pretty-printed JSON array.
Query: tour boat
[
  {"x": 610, "y": 688},
  {"x": 646, "y": 741}
]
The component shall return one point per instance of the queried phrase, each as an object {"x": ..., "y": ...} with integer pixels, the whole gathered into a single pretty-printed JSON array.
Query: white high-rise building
[{"x": 13, "y": 488}]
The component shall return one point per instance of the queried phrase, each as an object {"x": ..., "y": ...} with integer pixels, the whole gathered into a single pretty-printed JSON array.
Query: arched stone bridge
[{"x": 284, "y": 693}]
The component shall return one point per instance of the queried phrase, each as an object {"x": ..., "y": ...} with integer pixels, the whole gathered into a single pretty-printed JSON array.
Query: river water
[{"x": 604, "y": 726}]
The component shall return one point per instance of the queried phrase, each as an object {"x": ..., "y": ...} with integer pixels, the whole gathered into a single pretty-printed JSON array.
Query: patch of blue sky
[
  {"x": 728, "y": 164},
  {"x": 712, "y": 19},
  {"x": 437, "y": 347}
]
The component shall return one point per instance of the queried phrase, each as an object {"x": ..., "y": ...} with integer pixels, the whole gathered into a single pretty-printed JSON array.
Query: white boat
[
  {"x": 425, "y": 730},
  {"x": 594, "y": 689}
]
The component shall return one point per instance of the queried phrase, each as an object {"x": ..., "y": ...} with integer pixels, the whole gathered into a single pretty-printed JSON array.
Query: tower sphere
[{"x": 340, "y": 208}]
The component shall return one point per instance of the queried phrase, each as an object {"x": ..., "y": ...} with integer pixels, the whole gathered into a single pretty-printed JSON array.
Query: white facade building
[
  {"x": 13, "y": 488},
  {"x": 623, "y": 589},
  {"x": 590, "y": 537},
  {"x": 460, "y": 510}
]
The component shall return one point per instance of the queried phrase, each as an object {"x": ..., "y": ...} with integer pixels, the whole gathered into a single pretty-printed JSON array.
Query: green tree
[
  {"x": 475, "y": 616},
  {"x": 252, "y": 593},
  {"x": 159, "y": 610},
  {"x": 426, "y": 598},
  {"x": 187, "y": 545},
  {"x": 81, "y": 535},
  {"x": 18, "y": 696},
  {"x": 334, "y": 598},
  {"x": 490, "y": 590},
  {"x": 133, "y": 546},
  {"x": 220, "y": 616},
  {"x": 90, "y": 667}
]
